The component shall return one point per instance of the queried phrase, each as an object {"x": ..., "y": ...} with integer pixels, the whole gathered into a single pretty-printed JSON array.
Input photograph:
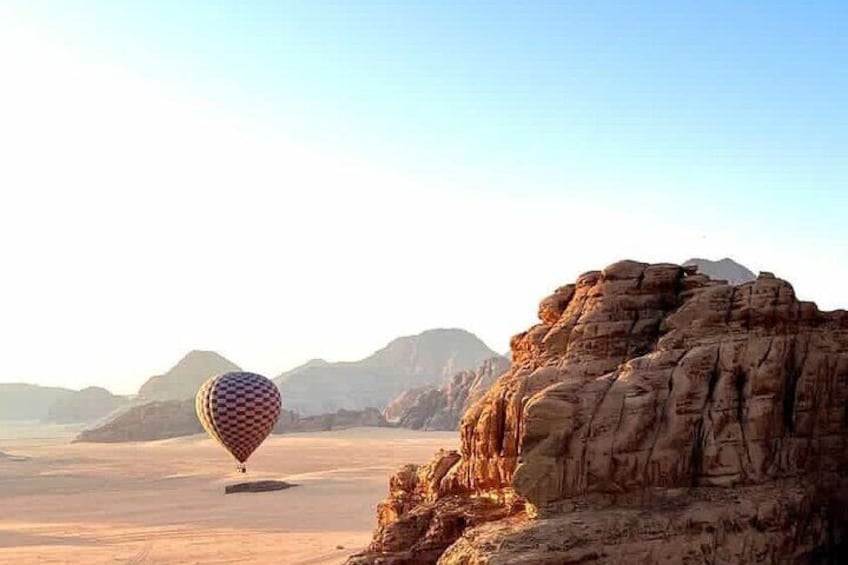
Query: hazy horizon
[{"x": 277, "y": 182}]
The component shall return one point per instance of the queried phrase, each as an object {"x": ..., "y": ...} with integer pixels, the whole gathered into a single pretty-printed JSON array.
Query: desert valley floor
[{"x": 163, "y": 503}]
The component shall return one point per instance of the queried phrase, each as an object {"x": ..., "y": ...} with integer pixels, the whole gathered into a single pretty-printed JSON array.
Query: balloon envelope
[{"x": 238, "y": 409}]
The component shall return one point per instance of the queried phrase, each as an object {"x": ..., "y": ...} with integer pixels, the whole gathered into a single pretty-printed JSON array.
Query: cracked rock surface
[{"x": 652, "y": 416}]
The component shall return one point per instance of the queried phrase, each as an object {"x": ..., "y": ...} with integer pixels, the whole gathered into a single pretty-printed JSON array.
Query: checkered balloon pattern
[{"x": 239, "y": 410}]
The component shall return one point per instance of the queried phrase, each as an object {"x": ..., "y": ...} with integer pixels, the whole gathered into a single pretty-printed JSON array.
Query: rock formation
[
  {"x": 338, "y": 420},
  {"x": 440, "y": 408},
  {"x": 19, "y": 401},
  {"x": 653, "y": 416},
  {"x": 401, "y": 405},
  {"x": 429, "y": 358},
  {"x": 723, "y": 270},
  {"x": 86, "y": 405},
  {"x": 183, "y": 379},
  {"x": 177, "y": 418},
  {"x": 147, "y": 422}
]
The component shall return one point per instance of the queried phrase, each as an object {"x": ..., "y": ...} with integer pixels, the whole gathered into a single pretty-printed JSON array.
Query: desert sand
[{"x": 163, "y": 502}]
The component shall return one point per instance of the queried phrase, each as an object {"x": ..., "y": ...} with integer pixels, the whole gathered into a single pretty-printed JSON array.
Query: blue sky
[
  {"x": 716, "y": 98},
  {"x": 727, "y": 120}
]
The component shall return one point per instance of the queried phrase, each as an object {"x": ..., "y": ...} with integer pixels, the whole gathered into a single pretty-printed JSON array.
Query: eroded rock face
[
  {"x": 440, "y": 408},
  {"x": 400, "y": 406},
  {"x": 422, "y": 518},
  {"x": 645, "y": 379},
  {"x": 757, "y": 524}
]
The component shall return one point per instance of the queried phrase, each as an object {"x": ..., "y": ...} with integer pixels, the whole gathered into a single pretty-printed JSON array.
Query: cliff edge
[{"x": 652, "y": 416}]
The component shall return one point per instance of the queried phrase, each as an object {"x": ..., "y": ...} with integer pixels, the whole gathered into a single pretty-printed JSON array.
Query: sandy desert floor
[{"x": 163, "y": 503}]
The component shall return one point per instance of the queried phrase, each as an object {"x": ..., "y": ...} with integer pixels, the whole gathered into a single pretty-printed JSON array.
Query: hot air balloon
[{"x": 239, "y": 409}]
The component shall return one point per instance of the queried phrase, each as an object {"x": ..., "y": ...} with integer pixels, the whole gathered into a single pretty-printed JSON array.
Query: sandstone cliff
[
  {"x": 429, "y": 358},
  {"x": 440, "y": 408},
  {"x": 653, "y": 416}
]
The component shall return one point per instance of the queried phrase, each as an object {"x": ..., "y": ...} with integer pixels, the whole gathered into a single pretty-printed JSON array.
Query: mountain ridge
[
  {"x": 427, "y": 358},
  {"x": 182, "y": 380}
]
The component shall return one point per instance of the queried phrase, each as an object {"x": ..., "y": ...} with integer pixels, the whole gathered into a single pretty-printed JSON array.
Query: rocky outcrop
[
  {"x": 86, "y": 405},
  {"x": 403, "y": 403},
  {"x": 778, "y": 523},
  {"x": 654, "y": 415},
  {"x": 723, "y": 270},
  {"x": 183, "y": 379},
  {"x": 339, "y": 420},
  {"x": 440, "y": 408},
  {"x": 20, "y": 401},
  {"x": 147, "y": 422},
  {"x": 426, "y": 359},
  {"x": 177, "y": 418},
  {"x": 422, "y": 516}
]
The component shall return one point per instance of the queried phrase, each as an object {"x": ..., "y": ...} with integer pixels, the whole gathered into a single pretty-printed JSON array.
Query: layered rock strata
[{"x": 654, "y": 415}]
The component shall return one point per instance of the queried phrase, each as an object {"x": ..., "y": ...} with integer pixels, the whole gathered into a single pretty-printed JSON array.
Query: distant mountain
[
  {"x": 429, "y": 358},
  {"x": 441, "y": 408},
  {"x": 311, "y": 364},
  {"x": 86, "y": 405},
  {"x": 19, "y": 401},
  {"x": 183, "y": 379},
  {"x": 177, "y": 418},
  {"x": 725, "y": 269}
]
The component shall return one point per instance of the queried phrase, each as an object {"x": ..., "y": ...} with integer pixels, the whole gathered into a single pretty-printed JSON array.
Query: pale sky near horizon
[{"x": 279, "y": 181}]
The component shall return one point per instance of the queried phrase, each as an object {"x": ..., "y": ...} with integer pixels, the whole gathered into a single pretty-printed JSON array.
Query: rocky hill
[
  {"x": 724, "y": 270},
  {"x": 652, "y": 416},
  {"x": 429, "y": 358},
  {"x": 86, "y": 405},
  {"x": 183, "y": 379},
  {"x": 440, "y": 408},
  {"x": 177, "y": 418},
  {"x": 20, "y": 401},
  {"x": 147, "y": 422}
]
